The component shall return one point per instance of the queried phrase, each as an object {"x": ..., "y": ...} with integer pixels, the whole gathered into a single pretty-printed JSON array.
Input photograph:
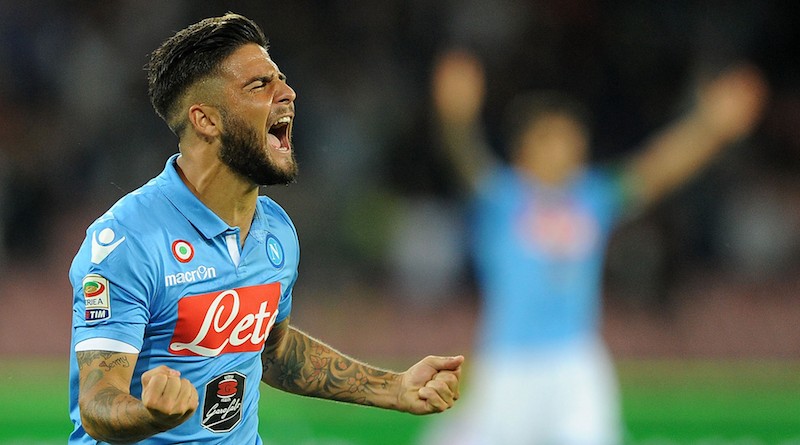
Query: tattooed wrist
[{"x": 309, "y": 367}]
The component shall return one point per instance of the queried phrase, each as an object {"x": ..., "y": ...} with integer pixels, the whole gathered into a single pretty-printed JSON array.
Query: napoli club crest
[
  {"x": 222, "y": 406},
  {"x": 274, "y": 251}
]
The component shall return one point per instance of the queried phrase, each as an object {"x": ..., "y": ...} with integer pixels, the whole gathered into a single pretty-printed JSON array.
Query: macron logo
[
  {"x": 202, "y": 273},
  {"x": 103, "y": 244}
]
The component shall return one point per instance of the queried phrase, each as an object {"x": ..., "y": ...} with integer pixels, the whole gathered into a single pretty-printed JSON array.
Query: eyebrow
[{"x": 265, "y": 79}]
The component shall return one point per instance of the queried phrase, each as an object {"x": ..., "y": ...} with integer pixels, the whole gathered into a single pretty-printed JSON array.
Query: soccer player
[
  {"x": 183, "y": 289},
  {"x": 541, "y": 226}
]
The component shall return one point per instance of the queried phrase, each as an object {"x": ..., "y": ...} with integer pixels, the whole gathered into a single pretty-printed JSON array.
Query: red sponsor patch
[
  {"x": 235, "y": 320},
  {"x": 563, "y": 231}
]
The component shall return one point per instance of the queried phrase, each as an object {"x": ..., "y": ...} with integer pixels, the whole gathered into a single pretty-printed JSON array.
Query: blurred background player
[{"x": 541, "y": 224}]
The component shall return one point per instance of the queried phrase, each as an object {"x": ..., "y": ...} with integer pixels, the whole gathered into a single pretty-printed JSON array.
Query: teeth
[{"x": 284, "y": 120}]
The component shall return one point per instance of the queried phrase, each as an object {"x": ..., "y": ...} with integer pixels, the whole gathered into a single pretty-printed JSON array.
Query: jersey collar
[{"x": 198, "y": 214}]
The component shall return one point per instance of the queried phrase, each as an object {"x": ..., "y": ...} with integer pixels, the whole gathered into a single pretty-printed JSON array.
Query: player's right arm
[{"x": 109, "y": 413}]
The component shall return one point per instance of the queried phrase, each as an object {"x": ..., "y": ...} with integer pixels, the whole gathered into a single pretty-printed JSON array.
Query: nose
[{"x": 285, "y": 94}]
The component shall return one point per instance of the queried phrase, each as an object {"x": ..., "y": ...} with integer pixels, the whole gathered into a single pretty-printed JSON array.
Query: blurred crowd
[{"x": 375, "y": 203}]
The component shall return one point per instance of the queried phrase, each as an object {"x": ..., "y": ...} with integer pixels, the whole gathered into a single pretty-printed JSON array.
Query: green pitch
[{"x": 664, "y": 402}]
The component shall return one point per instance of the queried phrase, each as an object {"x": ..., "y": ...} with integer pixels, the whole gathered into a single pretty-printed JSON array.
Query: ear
[{"x": 206, "y": 120}]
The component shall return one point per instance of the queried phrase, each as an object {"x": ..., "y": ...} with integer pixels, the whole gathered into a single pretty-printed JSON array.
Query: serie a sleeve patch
[{"x": 97, "y": 297}]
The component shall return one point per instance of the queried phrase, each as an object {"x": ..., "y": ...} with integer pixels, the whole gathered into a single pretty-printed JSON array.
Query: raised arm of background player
[
  {"x": 726, "y": 109},
  {"x": 297, "y": 363}
]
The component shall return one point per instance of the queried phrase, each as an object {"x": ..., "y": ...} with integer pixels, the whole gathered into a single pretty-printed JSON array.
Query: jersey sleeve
[
  {"x": 285, "y": 303},
  {"x": 113, "y": 283},
  {"x": 293, "y": 255}
]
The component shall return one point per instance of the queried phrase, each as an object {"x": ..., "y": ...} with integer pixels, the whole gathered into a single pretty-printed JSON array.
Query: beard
[{"x": 245, "y": 154}]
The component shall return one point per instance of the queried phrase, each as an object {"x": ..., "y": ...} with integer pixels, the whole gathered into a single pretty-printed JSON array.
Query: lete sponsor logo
[{"x": 235, "y": 320}]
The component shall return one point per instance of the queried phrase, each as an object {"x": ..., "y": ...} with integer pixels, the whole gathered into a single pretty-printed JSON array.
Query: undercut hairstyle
[
  {"x": 525, "y": 110},
  {"x": 194, "y": 54}
]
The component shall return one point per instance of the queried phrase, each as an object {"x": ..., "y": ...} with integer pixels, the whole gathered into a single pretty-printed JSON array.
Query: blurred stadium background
[{"x": 701, "y": 299}]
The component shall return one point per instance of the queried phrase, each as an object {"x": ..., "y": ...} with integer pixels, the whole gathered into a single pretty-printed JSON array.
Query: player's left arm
[
  {"x": 727, "y": 108},
  {"x": 295, "y": 362}
]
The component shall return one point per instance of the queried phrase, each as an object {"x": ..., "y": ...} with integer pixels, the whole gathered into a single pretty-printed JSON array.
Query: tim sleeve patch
[{"x": 98, "y": 299}]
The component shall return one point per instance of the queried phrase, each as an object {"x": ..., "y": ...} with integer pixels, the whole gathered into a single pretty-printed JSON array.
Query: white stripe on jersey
[{"x": 105, "y": 344}]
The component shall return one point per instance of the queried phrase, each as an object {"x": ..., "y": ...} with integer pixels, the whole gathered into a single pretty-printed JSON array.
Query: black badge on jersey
[{"x": 222, "y": 406}]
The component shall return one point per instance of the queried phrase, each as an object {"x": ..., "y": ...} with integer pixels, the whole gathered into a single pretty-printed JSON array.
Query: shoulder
[
  {"x": 501, "y": 173},
  {"x": 139, "y": 210},
  {"x": 270, "y": 206},
  {"x": 499, "y": 183},
  {"x": 274, "y": 212},
  {"x": 605, "y": 184},
  {"x": 601, "y": 176},
  {"x": 127, "y": 229},
  {"x": 281, "y": 238}
]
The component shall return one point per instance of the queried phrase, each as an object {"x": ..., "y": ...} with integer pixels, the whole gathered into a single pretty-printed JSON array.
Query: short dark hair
[
  {"x": 192, "y": 54},
  {"x": 527, "y": 108}
]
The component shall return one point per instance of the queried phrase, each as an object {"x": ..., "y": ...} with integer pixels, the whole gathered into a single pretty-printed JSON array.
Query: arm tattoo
[
  {"x": 88, "y": 357},
  {"x": 121, "y": 361},
  {"x": 309, "y": 367},
  {"x": 110, "y": 412}
]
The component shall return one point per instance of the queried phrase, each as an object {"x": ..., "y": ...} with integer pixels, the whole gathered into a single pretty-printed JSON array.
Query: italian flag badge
[{"x": 182, "y": 250}]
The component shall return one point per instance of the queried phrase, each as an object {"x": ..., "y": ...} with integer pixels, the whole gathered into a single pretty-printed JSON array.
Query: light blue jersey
[
  {"x": 161, "y": 273},
  {"x": 539, "y": 257}
]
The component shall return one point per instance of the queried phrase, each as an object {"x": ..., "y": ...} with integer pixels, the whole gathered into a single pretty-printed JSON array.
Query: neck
[
  {"x": 546, "y": 177},
  {"x": 227, "y": 194}
]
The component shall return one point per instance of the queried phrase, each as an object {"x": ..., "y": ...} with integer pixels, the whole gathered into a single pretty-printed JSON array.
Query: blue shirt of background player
[
  {"x": 539, "y": 256},
  {"x": 144, "y": 293}
]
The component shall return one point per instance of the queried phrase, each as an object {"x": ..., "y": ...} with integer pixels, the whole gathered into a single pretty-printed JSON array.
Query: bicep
[
  {"x": 274, "y": 346},
  {"x": 101, "y": 370}
]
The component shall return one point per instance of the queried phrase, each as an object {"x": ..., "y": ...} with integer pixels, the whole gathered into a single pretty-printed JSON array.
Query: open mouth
[{"x": 279, "y": 134}]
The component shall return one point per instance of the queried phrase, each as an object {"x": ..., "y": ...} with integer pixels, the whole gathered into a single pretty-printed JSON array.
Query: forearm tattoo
[
  {"x": 308, "y": 367},
  {"x": 110, "y": 413}
]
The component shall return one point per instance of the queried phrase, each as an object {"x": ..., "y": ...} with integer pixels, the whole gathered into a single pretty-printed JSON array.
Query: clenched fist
[
  {"x": 431, "y": 385},
  {"x": 169, "y": 398}
]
